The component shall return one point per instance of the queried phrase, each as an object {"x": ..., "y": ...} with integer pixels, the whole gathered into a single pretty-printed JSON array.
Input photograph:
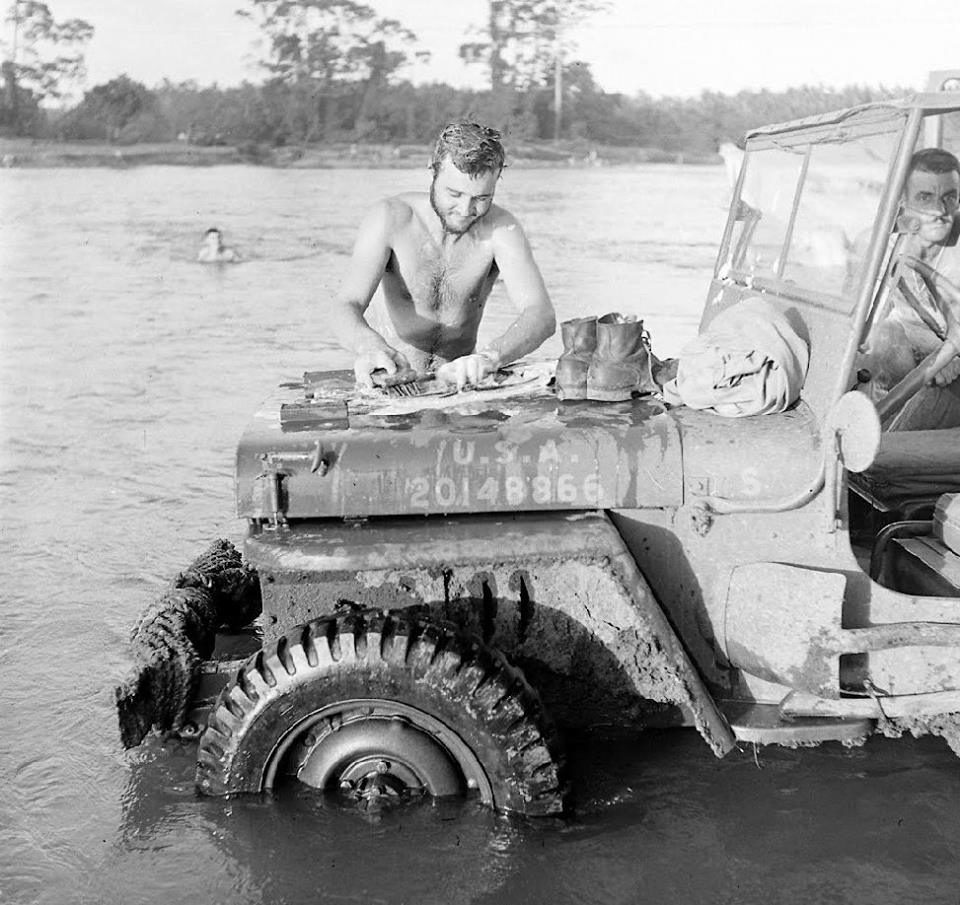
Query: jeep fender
[{"x": 559, "y": 594}]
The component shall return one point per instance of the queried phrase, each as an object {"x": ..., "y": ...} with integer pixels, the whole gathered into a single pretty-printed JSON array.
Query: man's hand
[
  {"x": 468, "y": 370},
  {"x": 948, "y": 374},
  {"x": 386, "y": 358}
]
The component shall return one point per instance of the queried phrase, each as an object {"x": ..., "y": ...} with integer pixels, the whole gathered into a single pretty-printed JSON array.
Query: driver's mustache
[{"x": 927, "y": 216}]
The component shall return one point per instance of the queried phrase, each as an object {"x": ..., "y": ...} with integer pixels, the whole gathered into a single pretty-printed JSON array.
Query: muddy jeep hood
[{"x": 319, "y": 450}]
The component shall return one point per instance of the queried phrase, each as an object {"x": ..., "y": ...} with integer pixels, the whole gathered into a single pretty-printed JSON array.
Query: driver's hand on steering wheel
[{"x": 947, "y": 375}]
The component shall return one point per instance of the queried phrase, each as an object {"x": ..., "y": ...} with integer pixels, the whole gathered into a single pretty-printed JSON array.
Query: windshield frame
[
  {"x": 854, "y": 304},
  {"x": 801, "y": 138}
]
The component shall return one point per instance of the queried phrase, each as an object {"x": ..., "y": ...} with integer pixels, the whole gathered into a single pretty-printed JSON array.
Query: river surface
[{"x": 127, "y": 373}]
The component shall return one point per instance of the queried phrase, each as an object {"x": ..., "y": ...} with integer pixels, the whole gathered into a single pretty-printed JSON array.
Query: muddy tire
[{"x": 379, "y": 705}]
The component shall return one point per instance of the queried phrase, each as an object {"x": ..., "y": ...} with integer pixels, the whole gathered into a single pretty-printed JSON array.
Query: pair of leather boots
[{"x": 605, "y": 358}]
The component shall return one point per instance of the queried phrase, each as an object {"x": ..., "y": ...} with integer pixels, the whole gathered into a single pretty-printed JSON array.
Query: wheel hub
[
  {"x": 374, "y": 785},
  {"x": 381, "y": 752}
]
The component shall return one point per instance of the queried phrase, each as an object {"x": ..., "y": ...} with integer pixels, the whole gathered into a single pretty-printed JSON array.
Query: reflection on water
[
  {"x": 300, "y": 846},
  {"x": 657, "y": 819},
  {"x": 127, "y": 372}
]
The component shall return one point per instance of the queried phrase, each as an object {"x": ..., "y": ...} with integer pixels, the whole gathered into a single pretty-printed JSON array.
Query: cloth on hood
[{"x": 749, "y": 361}]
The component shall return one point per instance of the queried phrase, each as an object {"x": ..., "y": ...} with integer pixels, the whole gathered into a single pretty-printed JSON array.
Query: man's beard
[{"x": 447, "y": 228}]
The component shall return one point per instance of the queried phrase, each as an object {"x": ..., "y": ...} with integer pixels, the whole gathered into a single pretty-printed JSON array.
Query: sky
[{"x": 676, "y": 49}]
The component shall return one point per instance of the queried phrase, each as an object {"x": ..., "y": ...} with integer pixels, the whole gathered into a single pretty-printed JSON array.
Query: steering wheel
[{"x": 946, "y": 297}]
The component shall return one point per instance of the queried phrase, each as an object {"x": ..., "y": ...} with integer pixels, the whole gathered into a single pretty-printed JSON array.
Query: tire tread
[{"x": 493, "y": 694}]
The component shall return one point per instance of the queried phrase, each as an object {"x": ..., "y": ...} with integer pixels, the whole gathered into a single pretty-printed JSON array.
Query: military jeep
[{"x": 451, "y": 580}]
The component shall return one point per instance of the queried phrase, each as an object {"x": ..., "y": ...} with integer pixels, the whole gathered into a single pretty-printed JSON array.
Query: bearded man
[{"x": 435, "y": 258}]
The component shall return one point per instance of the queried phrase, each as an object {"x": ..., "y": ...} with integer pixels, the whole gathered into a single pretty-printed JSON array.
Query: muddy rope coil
[{"x": 176, "y": 633}]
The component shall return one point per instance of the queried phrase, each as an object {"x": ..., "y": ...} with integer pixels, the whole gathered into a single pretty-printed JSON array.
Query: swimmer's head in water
[{"x": 473, "y": 149}]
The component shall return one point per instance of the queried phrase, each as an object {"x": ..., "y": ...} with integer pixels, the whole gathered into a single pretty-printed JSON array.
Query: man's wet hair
[
  {"x": 934, "y": 160},
  {"x": 212, "y": 229},
  {"x": 473, "y": 148}
]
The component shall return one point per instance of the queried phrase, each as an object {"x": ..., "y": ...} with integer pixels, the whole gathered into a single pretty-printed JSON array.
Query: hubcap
[{"x": 378, "y": 752}]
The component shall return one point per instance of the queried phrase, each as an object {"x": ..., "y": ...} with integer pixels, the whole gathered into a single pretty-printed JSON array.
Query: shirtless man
[
  {"x": 436, "y": 257},
  {"x": 213, "y": 251},
  {"x": 902, "y": 338}
]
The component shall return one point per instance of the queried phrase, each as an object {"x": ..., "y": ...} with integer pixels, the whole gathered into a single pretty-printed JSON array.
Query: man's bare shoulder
[
  {"x": 392, "y": 214},
  {"x": 504, "y": 227},
  {"x": 499, "y": 216}
]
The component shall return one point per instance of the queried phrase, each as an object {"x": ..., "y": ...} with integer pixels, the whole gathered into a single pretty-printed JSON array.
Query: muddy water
[{"x": 127, "y": 372}]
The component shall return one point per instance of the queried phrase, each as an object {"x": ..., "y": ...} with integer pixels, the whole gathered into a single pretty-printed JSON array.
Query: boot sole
[
  {"x": 567, "y": 396},
  {"x": 623, "y": 395}
]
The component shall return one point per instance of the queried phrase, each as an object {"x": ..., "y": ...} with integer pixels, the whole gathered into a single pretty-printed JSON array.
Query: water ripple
[{"x": 116, "y": 461}]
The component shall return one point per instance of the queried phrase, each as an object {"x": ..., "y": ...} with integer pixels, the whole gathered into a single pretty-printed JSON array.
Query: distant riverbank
[{"x": 25, "y": 152}]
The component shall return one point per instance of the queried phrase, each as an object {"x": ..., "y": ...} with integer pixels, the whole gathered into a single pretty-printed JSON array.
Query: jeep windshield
[{"x": 808, "y": 199}]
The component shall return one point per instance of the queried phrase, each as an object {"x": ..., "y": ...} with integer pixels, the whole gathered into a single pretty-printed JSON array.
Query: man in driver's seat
[{"x": 910, "y": 325}]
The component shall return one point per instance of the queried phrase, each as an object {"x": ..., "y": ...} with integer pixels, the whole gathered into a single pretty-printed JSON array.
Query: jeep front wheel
[{"x": 382, "y": 707}]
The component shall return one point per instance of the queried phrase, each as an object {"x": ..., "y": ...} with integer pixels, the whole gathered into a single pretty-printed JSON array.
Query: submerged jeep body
[{"x": 640, "y": 563}]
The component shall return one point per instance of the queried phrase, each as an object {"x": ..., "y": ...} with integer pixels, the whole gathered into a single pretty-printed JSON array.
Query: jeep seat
[
  {"x": 928, "y": 562},
  {"x": 912, "y": 469}
]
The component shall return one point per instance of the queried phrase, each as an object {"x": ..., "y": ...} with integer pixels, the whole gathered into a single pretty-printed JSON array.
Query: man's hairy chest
[{"x": 439, "y": 279}]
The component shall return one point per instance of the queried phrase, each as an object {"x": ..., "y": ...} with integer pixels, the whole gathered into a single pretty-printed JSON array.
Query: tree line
[
  {"x": 126, "y": 112},
  {"x": 333, "y": 72}
]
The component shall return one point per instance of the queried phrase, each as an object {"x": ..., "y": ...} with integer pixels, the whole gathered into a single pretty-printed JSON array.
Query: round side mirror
[{"x": 856, "y": 425}]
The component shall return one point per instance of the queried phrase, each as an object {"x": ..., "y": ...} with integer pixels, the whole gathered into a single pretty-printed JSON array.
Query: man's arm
[
  {"x": 371, "y": 252},
  {"x": 525, "y": 287},
  {"x": 524, "y": 284}
]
